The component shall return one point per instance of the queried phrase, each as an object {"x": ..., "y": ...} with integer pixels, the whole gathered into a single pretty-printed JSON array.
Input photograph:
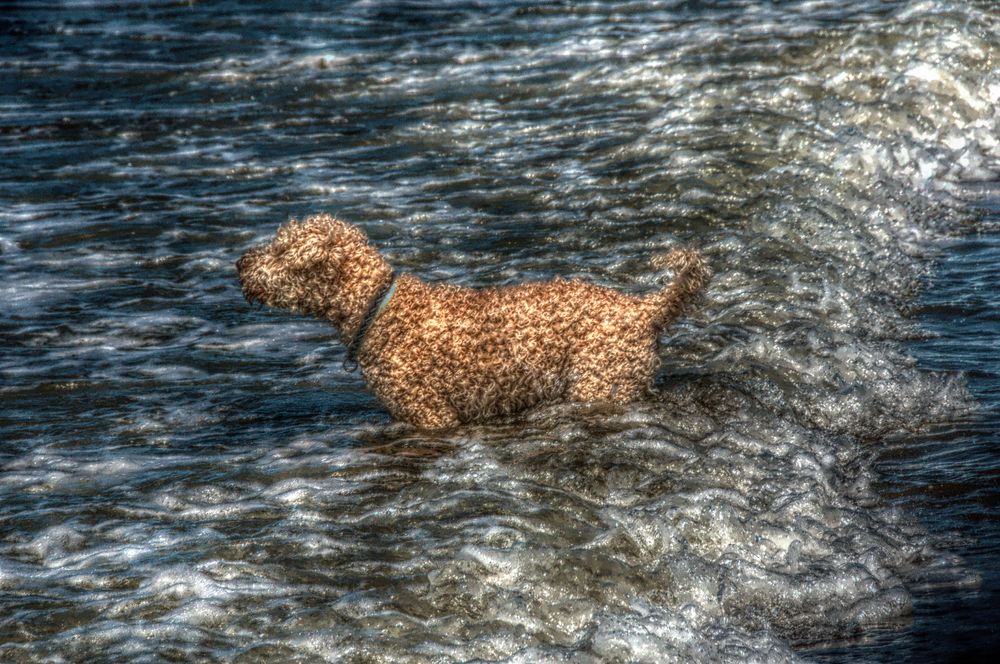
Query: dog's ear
[
  {"x": 316, "y": 249},
  {"x": 319, "y": 239},
  {"x": 303, "y": 257}
]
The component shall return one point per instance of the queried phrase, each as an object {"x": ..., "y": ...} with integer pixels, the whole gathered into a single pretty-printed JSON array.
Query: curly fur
[{"x": 440, "y": 355}]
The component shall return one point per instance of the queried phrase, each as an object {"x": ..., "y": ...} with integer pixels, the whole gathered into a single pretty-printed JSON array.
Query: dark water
[{"x": 185, "y": 478}]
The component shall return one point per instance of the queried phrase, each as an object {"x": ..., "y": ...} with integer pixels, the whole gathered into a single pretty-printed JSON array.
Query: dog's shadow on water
[
  {"x": 565, "y": 441},
  {"x": 401, "y": 440}
]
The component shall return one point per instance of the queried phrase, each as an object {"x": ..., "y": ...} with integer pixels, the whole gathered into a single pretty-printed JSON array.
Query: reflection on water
[{"x": 184, "y": 477}]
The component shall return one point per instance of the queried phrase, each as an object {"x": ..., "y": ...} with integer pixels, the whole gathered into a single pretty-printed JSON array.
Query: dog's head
[{"x": 320, "y": 266}]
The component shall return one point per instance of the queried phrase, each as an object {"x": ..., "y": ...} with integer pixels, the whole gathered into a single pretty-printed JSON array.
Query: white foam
[{"x": 730, "y": 516}]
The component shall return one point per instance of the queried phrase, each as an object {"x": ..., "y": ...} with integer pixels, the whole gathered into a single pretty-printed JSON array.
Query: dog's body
[{"x": 440, "y": 355}]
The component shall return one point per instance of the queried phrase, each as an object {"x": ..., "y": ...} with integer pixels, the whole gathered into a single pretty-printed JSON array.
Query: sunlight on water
[{"x": 183, "y": 477}]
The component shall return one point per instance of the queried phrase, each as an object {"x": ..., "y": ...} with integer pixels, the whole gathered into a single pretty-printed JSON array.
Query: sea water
[{"x": 184, "y": 477}]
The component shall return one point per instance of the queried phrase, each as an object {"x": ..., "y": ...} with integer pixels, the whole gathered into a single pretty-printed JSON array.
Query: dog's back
[{"x": 473, "y": 354}]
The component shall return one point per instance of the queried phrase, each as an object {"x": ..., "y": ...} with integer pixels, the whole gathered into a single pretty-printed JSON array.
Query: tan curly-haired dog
[{"x": 440, "y": 355}]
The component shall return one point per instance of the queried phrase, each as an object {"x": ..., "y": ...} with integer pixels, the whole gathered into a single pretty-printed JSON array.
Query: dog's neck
[{"x": 363, "y": 290}]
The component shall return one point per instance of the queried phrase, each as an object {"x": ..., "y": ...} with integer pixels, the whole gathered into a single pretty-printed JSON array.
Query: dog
[{"x": 439, "y": 355}]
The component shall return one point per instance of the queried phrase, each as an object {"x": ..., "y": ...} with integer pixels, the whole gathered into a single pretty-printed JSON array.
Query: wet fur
[{"x": 440, "y": 355}]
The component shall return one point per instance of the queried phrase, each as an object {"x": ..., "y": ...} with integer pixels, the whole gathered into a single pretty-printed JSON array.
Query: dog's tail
[{"x": 691, "y": 276}]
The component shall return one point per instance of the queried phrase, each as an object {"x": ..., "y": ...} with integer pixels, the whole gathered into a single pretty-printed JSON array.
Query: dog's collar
[{"x": 376, "y": 306}]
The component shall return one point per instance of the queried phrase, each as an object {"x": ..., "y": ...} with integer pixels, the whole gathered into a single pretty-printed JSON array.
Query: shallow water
[{"x": 185, "y": 477}]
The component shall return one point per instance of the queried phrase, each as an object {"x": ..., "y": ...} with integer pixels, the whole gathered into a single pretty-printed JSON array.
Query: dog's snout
[{"x": 244, "y": 262}]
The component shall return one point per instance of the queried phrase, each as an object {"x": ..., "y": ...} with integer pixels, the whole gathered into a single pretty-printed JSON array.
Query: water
[{"x": 184, "y": 477}]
